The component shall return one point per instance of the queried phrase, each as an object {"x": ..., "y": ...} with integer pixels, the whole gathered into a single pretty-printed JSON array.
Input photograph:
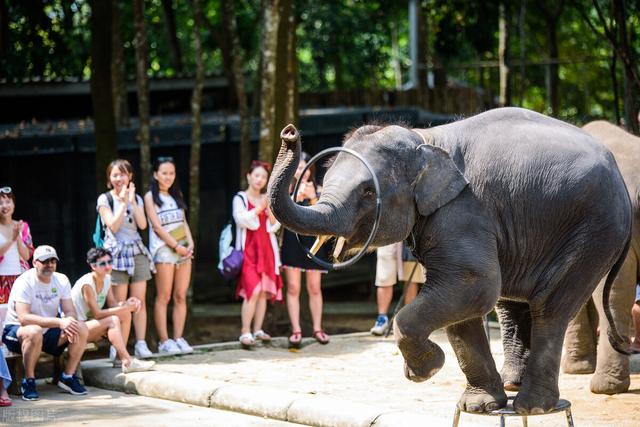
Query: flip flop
[
  {"x": 321, "y": 336},
  {"x": 634, "y": 351},
  {"x": 262, "y": 336},
  {"x": 295, "y": 339},
  {"x": 5, "y": 401}
]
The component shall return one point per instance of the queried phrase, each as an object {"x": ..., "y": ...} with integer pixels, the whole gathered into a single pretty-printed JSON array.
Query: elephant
[
  {"x": 508, "y": 208},
  {"x": 611, "y": 368}
]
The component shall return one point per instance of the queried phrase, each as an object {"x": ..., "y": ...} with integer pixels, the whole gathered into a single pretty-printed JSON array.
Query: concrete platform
[{"x": 356, "y": 380}]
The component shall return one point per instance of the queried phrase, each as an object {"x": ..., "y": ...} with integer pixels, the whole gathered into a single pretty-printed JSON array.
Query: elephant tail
[{"x": 618, "y": 342}]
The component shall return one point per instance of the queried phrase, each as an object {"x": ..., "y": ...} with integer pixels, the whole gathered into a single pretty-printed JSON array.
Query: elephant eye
[{"x": 369, "y": 192}]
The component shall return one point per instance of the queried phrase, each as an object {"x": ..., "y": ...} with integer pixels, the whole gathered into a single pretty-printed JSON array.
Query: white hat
[{"x": 44, "y": 252}]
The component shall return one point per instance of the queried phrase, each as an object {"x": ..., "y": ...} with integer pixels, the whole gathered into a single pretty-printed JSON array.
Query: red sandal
[
  {"x": 295, "y": 339},
  {"x": 321, "y": 336}
]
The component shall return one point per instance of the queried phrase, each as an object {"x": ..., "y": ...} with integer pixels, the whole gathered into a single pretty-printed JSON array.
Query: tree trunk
[
  {"x": 292, "y": 113},
  {"x": 4, "y": 30},
  {"x": 523, "y": 49},
  {"x": 630, "y": 67},
  {"x": 395, "y": 55},
  {"x": 118, "y": 70},
  {"x": 282, "y": 60},
  {"x": 103, "y": 119},
  {"x": 554, "y": 79},
  {"x": 268, "y": 134},
  {"x": 142, "y": 82},
  {"x": 174, "y": 44},
  {"x": 196, "y": 124},
  {"x": 503, "y": 56},
  {"x": 237, "y": 58},
  {"x": 614, "y": 87}
]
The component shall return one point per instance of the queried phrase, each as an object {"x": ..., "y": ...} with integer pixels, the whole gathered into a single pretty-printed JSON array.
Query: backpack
[
  {"x": 231, "y": 258},
  {"x": 101, "y": 229}
]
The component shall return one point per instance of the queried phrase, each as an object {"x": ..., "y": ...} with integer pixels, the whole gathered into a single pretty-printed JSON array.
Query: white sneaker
[
  {"x": 169, "y": 347},
  {"x": 141, "y": 350},
  {"x": 137, "y": 365},
  {"x": 381, "y": 325},
  {"x": 184, "y": 346}
]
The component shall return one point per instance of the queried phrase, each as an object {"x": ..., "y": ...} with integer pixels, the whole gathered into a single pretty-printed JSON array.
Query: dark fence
[{"x": 53, "y": 176}]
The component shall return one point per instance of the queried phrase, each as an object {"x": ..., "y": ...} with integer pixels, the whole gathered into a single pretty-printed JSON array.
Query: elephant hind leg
[
  {"x": 515, "y": 326},
  {"x": 580, "y": 341},
  {"x": 484, "y": 391}
]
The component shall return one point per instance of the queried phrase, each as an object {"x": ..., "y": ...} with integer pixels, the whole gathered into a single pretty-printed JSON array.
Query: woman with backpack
[
  {"x": 255, "y": 236},
  {"x": 171, "y": 246},
  {"x": 122, "y": 212}
]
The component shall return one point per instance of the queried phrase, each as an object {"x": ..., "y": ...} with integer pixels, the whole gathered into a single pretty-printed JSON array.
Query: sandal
[
  {"x": 262, "y": 336},
  {"x": 321, "y": 336},
  {"x": 5, "y": 401},
  {"x": 247, "y": 341},
  {"x": 295, "y": 339}
]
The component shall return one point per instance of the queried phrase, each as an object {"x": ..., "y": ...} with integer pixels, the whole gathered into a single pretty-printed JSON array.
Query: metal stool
[{"x": 508, "y": 411}]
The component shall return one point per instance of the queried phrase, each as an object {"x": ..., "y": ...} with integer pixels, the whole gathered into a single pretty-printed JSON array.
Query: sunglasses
[
  {"x": 103, "y": 263},
  {"x": 164, "y": 159},
  {"x": 49, "y": 261},
  {"x": 6, "y": 190}
]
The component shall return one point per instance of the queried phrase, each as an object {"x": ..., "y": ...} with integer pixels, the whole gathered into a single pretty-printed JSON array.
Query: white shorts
[{"x": 387, "y": 273}]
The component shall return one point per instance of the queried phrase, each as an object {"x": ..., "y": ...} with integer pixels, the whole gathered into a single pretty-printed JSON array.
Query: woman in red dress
[{"x": 255, "y": 235}]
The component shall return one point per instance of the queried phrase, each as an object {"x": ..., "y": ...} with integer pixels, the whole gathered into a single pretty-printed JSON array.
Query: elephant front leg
[
  {"x": 515, "y": 326},
  {"x": 484, "y": 391}
]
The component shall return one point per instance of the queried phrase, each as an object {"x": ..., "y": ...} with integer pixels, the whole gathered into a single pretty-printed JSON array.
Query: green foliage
[{"x": 346, "y": 45}]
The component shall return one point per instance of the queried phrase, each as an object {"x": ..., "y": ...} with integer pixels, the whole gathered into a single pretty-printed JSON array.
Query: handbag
[{"x": 231, "y": 259}]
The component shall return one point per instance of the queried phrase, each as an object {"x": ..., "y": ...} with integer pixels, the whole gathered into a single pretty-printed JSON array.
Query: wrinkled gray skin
[
  {"x": 508, "y": 207},
  {"x": 611, "y": 368}
]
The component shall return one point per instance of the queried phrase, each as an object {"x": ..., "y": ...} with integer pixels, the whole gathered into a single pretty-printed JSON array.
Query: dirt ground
[{"x": 369, "y": 370}]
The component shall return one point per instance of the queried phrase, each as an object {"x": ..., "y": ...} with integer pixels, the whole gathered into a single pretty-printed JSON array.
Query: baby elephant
[{"x": 611, "y": 368}]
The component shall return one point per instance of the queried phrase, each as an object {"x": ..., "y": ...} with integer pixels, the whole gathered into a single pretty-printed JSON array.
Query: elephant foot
[
  {"x": 422, "y": 358},
  {"x": 609, "y": 384},
  {"x": 535, "y": 400},
  {"x": 419, "y": 369},
  {"x": 578, "y": 365},
  {"x": 478, "y": 400}
]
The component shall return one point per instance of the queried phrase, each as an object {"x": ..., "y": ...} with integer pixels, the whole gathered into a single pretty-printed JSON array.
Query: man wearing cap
[{"x": 32, "y": 323}]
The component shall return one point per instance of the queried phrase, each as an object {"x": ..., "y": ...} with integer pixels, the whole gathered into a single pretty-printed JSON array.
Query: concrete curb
[{"x": 253, "y": 400}]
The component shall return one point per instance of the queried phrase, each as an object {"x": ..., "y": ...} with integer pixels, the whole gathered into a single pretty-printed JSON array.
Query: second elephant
[{"x": 584, "y": 352}]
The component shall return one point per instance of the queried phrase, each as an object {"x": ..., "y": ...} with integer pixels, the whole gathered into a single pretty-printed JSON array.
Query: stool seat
[{"x": 508, "y": 411}]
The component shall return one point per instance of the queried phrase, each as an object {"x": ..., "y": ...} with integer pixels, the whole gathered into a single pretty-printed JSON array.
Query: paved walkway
[
  {"x": 356, "y": 380},
  {"x": 105, "y": 408}
]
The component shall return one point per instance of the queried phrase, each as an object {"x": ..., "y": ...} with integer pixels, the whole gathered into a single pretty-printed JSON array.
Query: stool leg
[
  {"x": 501, "y": 420},
  {"x": 456, "y": 417},
  {"x": 569, "y": 417},
  {"x": 525, "y": 422}
]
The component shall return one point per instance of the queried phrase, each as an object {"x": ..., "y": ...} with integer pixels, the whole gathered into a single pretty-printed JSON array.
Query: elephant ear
[{"x": 439, "y": 182}]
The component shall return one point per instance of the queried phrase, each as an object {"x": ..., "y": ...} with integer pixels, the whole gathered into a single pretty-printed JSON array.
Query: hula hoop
[{"x": 376, "y": 221}]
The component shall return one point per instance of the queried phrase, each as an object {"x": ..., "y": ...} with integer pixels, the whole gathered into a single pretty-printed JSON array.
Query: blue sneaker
[
  {"x": 28, "y": 388},
  {"x": 72, "y": 385},
  {"x": 381, "y": 325}
]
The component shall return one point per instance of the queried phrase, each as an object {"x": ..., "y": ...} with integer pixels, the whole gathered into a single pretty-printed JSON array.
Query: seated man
[
  {"x": 90, "y": 293},
  {"x": 32, "y": 323},
  {"x": 635, "y": 316}
]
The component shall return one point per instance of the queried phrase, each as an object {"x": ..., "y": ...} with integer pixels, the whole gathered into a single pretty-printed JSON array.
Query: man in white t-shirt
[{"x": 33, "y": 324}]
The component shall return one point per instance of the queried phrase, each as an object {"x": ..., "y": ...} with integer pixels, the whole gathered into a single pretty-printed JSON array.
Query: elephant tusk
[
  {"x": 318, "y": 244},
  {"x": 339, "y": 246}
]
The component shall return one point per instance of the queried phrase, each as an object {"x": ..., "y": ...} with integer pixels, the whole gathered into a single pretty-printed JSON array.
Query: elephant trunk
[{"x": 320, "y": 219}]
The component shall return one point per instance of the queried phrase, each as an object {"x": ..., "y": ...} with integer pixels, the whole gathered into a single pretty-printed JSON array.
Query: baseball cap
[{"x": 44, "y": 252}]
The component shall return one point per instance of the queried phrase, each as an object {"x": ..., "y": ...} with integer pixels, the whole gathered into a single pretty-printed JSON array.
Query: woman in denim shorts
[
  {"x": 122, "y": 211},
  {"x": 171, "y": 246}
]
